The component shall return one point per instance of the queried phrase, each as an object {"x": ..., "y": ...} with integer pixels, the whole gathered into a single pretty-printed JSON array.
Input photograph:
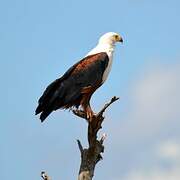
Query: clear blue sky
[{"x": 39, "y": 40}]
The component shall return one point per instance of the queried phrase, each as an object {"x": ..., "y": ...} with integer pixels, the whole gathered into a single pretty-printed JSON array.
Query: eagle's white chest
[
  {"x": 109, "y": 49},
  {"x": 108, "y": 68}
]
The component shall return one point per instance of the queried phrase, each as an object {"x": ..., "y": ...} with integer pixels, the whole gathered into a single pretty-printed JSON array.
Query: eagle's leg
[
  {"x": 89, "y": 112},
  {"x": 86, "y": 107}
]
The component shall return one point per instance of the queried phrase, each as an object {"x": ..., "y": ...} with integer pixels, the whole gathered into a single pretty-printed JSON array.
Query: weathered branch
[
  {"x": 92, "y": 155},
  {"x": 107, "y": 105},
  {"x": 45, "y": 176},
  {"x": 80, "y": 146}
]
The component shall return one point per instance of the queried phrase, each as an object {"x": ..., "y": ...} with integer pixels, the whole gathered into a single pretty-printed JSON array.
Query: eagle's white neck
[
  {"x": 103, "y": 47},
  {"x": 108, "y": 48}
]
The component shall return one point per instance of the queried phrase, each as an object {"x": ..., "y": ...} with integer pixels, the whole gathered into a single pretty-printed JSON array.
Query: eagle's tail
[
  {"x": 45, "y": 114},
  {"x": 38, "y": 109}
]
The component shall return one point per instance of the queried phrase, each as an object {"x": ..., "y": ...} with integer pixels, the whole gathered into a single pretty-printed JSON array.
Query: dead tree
[{"x": 92, "y": 155}]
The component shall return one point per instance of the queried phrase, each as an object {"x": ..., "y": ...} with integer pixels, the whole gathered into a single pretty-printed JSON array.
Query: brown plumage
[{"x": 75, "y": 87}]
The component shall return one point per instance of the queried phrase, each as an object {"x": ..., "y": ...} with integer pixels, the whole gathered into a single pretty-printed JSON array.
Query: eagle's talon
[{"x": 90, "y": 115}]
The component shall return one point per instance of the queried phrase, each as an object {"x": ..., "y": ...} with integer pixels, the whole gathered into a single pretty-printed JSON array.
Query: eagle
[{"x": 75, "y": 88}]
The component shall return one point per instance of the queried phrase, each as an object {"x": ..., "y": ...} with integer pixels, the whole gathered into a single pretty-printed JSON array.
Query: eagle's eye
[{"x": 116, "y": 37}]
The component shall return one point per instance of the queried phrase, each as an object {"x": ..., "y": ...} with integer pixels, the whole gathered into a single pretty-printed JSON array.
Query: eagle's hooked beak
[{"x": 119, "y": 38}]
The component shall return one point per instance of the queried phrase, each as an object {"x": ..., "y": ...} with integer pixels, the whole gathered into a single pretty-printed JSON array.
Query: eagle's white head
[
  {"x": 110, "y": 38},
  {"x": 106, "y": 43}
]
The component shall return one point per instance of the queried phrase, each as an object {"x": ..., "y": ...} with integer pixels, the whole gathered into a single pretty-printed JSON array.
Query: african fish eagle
[{"x": 76, "y": 86}]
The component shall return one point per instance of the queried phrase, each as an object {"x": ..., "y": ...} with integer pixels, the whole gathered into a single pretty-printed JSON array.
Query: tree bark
[
  {"x": 45, "y": 176},
  {"x": 92, "y": 155}
]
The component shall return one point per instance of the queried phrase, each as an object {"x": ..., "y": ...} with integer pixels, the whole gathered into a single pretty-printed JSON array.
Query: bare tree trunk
[
  {"x": 92, "y": 155},
  {"x": 89, "y": 159}
]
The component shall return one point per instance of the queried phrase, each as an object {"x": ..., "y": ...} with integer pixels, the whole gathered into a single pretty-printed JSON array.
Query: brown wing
[{"x": 67, "y": 89}]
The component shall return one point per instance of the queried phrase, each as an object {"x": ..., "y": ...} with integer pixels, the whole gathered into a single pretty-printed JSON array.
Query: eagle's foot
[{"x": 89, "y": 114}]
